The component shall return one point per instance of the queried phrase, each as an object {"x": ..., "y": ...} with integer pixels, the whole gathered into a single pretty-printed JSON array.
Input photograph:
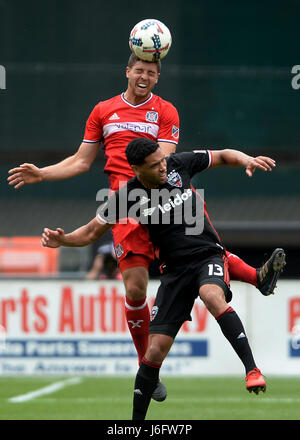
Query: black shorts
[{"x": 180, "y": 287}]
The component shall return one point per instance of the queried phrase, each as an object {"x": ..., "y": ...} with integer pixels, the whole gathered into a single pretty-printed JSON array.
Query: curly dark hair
[{"x": 138, "y": 149}]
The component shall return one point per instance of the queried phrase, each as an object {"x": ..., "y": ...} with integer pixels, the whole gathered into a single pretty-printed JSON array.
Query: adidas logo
[
  {"x": 144, "y": 200},
  {"x": 241, "y": 335},
  {"x": 114, "y": 117},
  {"x": 138, "y": 392}
]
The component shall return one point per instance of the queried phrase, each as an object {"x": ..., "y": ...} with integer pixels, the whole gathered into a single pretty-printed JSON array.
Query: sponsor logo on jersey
[
  {"x": 178, "y": 200},
  {"x": 174, "y": 179},
  {"x": 152, "y": 116},
  {"x": 141, "y": 127},
  {"x": 175, "y": 132}
]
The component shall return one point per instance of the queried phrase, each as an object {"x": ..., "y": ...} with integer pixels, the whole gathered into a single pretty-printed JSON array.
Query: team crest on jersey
[
  {"x": 119, "y": 251},
  {"x": 175, "y": 132},
  {"x": 174, "y": 179},
  {"x": 152, "y": 116},
  {"x": 153, "y": 312}
]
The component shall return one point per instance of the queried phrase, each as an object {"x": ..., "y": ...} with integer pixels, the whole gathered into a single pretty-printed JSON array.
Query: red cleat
[{"x": 255, "y": 381}]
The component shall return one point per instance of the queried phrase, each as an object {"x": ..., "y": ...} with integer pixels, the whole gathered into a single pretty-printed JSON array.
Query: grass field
[{"x": 110, "y": 398}]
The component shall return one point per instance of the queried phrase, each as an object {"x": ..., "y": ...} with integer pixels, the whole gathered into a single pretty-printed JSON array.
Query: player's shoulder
[
  {"x": 176, "y": 159},
  {"x": 164, "y": 103},
  {"x": 186, "y": 159},
  {"x": 106, "y": 103},
  {"x": 180, "y": 157}
]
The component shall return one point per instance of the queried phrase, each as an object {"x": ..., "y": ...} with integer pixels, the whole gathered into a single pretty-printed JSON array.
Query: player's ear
[
  {"x": 127, "y": 71},
  {"x": 134, "y": 169},
  {"x": 158, "y": 75}
]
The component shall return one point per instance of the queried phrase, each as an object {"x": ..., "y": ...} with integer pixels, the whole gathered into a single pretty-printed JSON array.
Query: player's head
[
  {"x": 142, "y": 77},
  {"x": 147, "y": 161},
  {"x": 134, "y": 59},
  {"x": 138, "y": 149}
]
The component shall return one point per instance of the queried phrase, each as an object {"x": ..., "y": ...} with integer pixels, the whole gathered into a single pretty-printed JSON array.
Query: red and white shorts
[{"x": 132, "y": 246}]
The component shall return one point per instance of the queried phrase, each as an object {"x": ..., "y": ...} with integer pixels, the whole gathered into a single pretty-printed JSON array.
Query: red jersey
[{"x": 116, "y": 122}]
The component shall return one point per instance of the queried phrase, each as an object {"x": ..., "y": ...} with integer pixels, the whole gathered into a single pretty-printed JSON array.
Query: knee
[
  {"x": 158, "y": 348},
  {"x": 136, "y": 292},
  {"x": 156, "y": 352},
  {"x": 213, "y": 298},
  {"x": 135, "y": 282}
]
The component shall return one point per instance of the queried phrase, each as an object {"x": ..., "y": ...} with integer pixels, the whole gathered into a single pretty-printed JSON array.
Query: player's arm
[
  {"x": 82, "y": 236},
  {"x": 168, "y": 135},
  {"x": 167, "y": 147},
  {"x": 235, "y": 158},
  {"x": 74, "y": 165}
]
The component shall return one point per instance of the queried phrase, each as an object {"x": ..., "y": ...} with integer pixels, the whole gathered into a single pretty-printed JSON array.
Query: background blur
[{"x": 228, "y": 73}]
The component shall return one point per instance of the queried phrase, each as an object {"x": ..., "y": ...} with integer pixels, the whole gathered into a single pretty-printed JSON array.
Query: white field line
[
  {"x": 257, "y": 399},
  {"x": 46, "y": 390}
]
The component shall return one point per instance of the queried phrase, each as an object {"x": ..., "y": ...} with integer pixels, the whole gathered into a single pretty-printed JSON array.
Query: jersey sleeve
[
  {"x": 169, "y": 125},
  {"x": 93, "y": 129},
  {"x": 195, "y": 161}
]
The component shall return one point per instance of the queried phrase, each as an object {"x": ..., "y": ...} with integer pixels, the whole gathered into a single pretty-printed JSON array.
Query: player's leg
[
  {"x": 239, "y": 270},
  {"x": 233, "y": 330},
  {"x": 134, "y": 252},
  {"x": 264, "y": 278},
  {"x": 148, "y": 373},
  {"x": 134, "y": 271},
  {"x": 213, "y": 282}
]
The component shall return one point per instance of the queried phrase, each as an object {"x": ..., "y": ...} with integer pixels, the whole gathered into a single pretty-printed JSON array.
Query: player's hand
[
  {"x": 261, "y": 162},
  {"x": 53, "y": 239},
  {"x": 25, "y": 173}
]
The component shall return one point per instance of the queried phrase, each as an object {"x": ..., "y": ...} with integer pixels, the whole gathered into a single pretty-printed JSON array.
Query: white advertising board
[{"x": 79, "y": 327}]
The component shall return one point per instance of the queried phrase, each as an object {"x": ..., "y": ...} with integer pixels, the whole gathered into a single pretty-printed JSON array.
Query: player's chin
[{"x": 142, "y": 91}]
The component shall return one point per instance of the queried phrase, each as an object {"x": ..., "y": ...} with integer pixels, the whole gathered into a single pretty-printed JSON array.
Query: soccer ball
[{"x": 150, "y": 40}]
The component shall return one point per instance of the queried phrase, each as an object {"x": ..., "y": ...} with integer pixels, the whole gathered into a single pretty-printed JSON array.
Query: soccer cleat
[
  {"x": 160, "y": 392},
  {"x": 268, "y": 274},
  {"x": 255, "y": 381}
]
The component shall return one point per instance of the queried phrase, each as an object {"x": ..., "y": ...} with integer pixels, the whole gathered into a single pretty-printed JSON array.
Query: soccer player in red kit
[{"x": 135, "y": 113}]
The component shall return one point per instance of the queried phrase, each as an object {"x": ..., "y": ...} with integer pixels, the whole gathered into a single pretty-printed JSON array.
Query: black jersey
[{"x": 174, "y": 213}]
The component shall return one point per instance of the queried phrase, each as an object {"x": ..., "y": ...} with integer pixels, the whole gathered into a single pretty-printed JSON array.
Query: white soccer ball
[{"x": 150, "y": 40}]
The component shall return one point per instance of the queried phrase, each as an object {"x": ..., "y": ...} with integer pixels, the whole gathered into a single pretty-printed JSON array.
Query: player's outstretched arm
[
  {"x": 237, "y": 158},
  {"x": 82, "y": 236},
  {"x": 74, "y": 165}
]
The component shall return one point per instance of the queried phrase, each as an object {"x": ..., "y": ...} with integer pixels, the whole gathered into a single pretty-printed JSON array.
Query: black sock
[
  {"x": 145, "y": 383},
  {"x": 233, "y": 330}
]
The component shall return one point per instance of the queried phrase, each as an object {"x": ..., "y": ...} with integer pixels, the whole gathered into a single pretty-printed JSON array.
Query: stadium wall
[{"x": 78, "y": 327}]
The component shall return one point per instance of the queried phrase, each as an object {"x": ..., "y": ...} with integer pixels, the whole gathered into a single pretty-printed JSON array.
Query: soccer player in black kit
[{"x": 193, "y": 257}]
